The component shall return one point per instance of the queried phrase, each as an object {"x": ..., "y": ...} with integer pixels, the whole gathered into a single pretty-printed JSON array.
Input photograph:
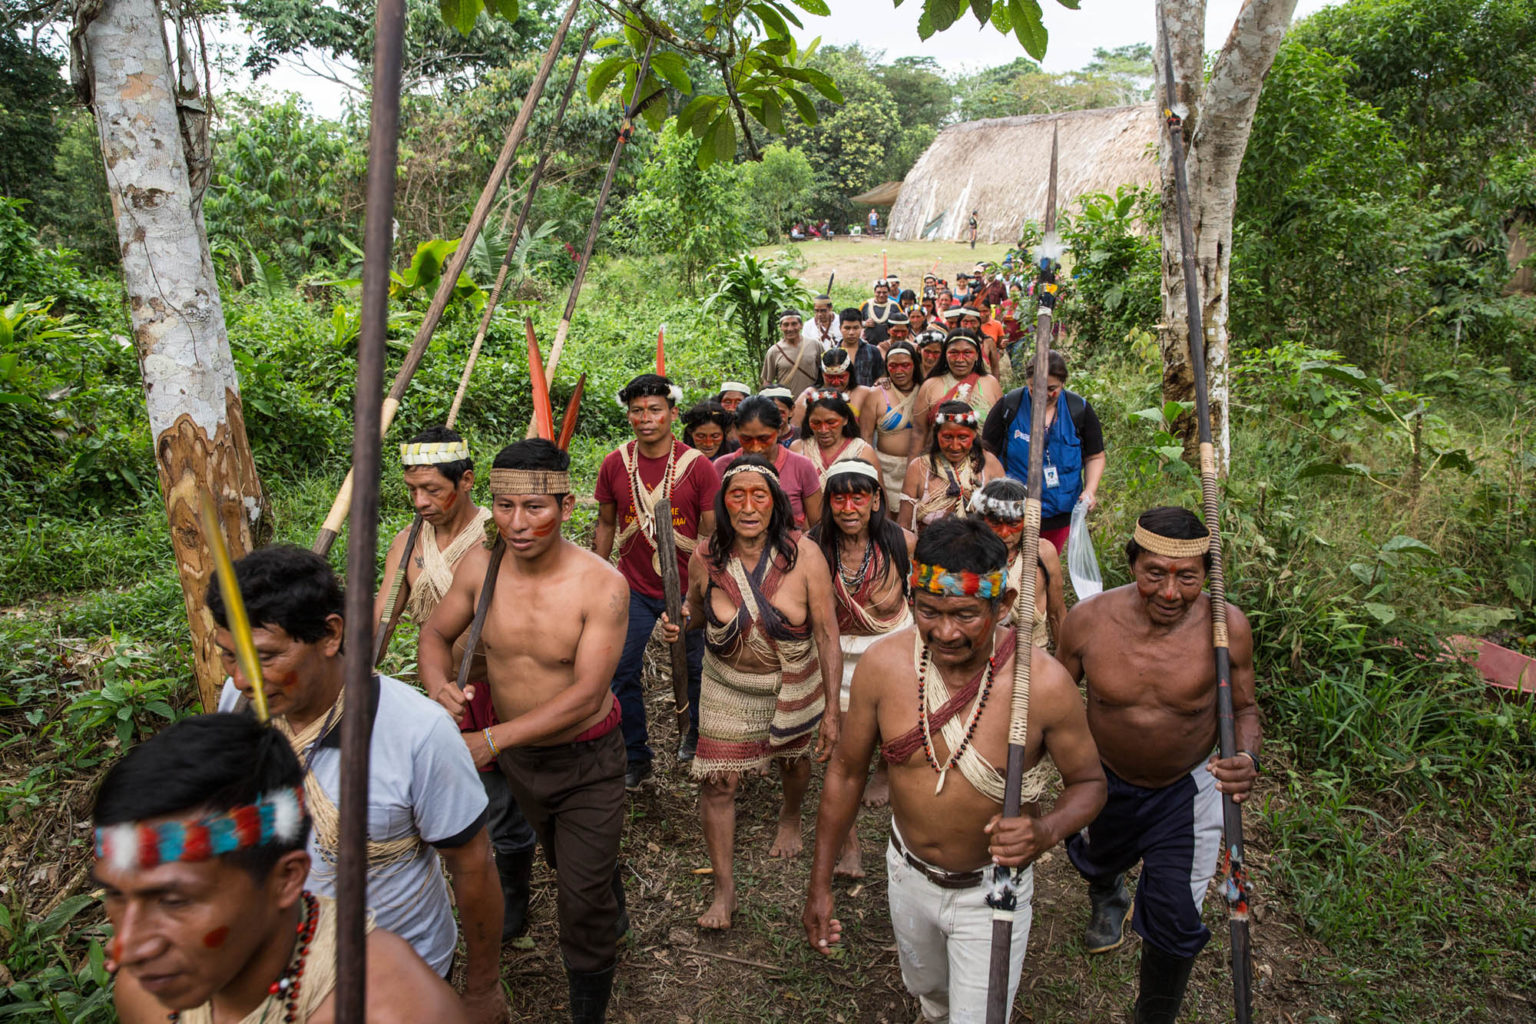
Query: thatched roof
[
  {"x": 1000, "y": 167},
  {"x": 880, "y": 195}
]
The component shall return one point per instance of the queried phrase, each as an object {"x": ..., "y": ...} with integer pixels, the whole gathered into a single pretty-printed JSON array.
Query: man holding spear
[{"x": 942, "y": 691}]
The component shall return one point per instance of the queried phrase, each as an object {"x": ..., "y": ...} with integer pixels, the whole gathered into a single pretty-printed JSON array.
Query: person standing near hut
[
  {"x": 553, "y": 631},
  {"x": 427, "y": 804},
  {"x": 763, "y": 596},
  {"x": 973, "y": 224},
  {"x": 940, "y": 693},
  {"x": 791, "y": 362},
  {"x": 654, "y": 474},
  {"x": 940, "y": 482},
  {"x": 1144, "y": 651},
  {"x": 440, "y": 479}
]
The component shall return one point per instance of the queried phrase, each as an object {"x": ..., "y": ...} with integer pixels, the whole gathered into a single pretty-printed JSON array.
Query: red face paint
[
  {"x": 854, "y": 500},
  {"x": 115, "y": 950},
  {"x": 955, "y": 442},
  {"x": 215, "y": 938},
  {"x": 450, "y": 499},
  {"x": 1005, "y": 531},
  {"x": 545, "y": 529},
  {"x": 836, "y": 381}
]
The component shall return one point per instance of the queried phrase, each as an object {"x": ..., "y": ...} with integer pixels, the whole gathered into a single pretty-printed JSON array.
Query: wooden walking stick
[
  {"x": 357, "y": 722},
  {"x": 1235, "y": 886},
  {"x": 450, "y": 279},
  {"x": 626, "y": 129},
  {"x": 1001, "y": 896}
]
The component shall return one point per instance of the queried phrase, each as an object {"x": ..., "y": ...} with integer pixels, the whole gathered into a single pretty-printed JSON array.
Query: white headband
[
  {"x": 853, "y": 467},
  {"x": 734, "y": 385},
  {"x": 675, "y": 392},
  {"x": 997, "y": 508},
  {"x": 433, "y": 453},
  {"x": 777, "y": 392}
]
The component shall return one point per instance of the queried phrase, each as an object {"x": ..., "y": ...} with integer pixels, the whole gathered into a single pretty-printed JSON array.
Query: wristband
[
  {"x": 1255, "y": 759},
  {"x": 496, "y": 753}
]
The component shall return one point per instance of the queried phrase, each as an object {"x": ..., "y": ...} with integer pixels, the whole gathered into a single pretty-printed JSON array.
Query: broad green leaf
[
  {"x": 598, "y": 79},
  {"x": 777, "y": 47},
  {"x": 1482, "y": 618},
  {"x": 772, "y": 115},
  {"x": 982, "y": 9},
  {"x": 1000, "y": 17},
  {"x": 773, "y": 23},
  {"x": 1409, "y": 545},
  {"x": 1153, "y": 415},
  {"x": 699, "y": 112},
  {"x": 941, "y": 13},
  {"x": 505, "y": 9},
  {"x": 823, "y": 84},
  {"x": 1383, "y": 613},
  {"x": 1324, "y": 468},
  {"x": 674, "y": 69},
  {"x": 803, "y": 104},
  {"x": 819, "y": 7},
  {"x": 1025, "y": 15},
  {"x": 924, "y": 26},
  {"x": 725, "y": 140},
  {"x": 461, "y": 14}
]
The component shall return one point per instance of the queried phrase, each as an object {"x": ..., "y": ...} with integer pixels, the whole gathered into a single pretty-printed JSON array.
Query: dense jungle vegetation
[{"x": 1382, "y": 494}]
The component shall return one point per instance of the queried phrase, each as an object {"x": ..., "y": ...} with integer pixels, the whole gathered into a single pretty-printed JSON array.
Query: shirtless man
[
  {"x": 946, "y": 795},
  {"x": 837, "y": 375},
  {"x": 440, "y": 478},
  {"x": 552, "y": 638},
  {"x": 871, "y": 557},
  {"x": 199, "y": 935},
  {"x": 772, "y": 666},
  {"x": 1145, "y": 651}
]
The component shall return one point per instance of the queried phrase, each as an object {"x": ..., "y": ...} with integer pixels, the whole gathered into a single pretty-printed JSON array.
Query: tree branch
[
  {"x": 1232, "y": 95},
  {"x": 741, "y": 113}
]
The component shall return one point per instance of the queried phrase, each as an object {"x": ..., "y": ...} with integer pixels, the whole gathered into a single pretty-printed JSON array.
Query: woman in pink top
[{"x": 758, "y": 421}]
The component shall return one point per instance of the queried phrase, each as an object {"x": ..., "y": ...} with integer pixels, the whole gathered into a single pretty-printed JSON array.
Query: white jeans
[{"x": 944, "y": 941}]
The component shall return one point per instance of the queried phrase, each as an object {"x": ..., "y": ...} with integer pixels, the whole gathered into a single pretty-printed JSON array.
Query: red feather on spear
[{"x": 543, "y": 415}]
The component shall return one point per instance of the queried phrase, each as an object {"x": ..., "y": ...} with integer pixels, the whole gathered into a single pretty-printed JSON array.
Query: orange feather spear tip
[
  {"x": 661, "y": 351},
  {"x": 543, "y": 414},
  {"x": 572, "y": 409}
]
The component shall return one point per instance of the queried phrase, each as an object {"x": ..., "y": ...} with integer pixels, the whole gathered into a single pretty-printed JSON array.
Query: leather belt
[{"x": 938, "y": 876}]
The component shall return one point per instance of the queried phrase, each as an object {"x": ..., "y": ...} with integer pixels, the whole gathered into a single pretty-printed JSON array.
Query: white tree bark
[
  {"x": 1216, "y": 129},
  {"x": 190, "y": 385}
]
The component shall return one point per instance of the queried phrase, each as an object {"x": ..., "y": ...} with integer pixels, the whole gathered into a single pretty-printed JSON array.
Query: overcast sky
[{"x": 877, "y": 26}]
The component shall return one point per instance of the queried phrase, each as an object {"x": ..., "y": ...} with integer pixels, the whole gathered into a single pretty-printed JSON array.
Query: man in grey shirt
[
  {"x": 791, "y": 362},
  {"x": 424, "y": 801}
]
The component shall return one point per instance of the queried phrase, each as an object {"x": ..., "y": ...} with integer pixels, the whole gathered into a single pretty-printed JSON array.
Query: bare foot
[
  {"x": 787, "y": 843},
  {"x": 848, "y": 865},
  {"x": 718, "y": 916},
  {"x": 878, "y": 792}
]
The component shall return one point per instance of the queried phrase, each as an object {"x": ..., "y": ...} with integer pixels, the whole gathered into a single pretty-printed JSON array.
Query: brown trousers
[{"x": 573, "y": 796}]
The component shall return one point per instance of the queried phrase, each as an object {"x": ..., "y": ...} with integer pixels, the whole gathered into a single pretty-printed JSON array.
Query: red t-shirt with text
[{"x": 693, "y": 494}]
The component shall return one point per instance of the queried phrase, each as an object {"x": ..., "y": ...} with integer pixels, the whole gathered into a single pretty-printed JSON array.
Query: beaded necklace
[
  {"x": 970, "y": 725},
  {"x": 286, "y": 988},
  {"x": 855, "y": 581},
  {"x": 646, "y": 514}
]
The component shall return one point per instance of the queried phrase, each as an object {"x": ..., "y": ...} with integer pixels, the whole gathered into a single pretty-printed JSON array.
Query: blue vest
[{"x": 1063, "y": 453}]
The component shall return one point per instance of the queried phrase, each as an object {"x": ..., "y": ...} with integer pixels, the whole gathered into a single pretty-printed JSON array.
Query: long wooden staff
[
  {"x": 357, "y": 723},
  {"x": 626, "y": 129},
  {"x": 671, "y": 585},
  {"x": 1001, "y": 896},
  {"x": 391, "y": 404},
  {"x": 1235, "y": 886}
]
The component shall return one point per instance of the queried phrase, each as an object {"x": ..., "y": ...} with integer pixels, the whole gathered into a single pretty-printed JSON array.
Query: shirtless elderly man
[
  {"x": 946, "y": 791},
  {"x": 552, "y": 637},
  {"x": 1145, "y": 651}
]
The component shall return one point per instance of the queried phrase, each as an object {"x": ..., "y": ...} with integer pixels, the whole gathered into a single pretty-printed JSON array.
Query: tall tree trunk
[
  {"x": 1217, "y": 125},
  {"x": 190, "y": 385}
]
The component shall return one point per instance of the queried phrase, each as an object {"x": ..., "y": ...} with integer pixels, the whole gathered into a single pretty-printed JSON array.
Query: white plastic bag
[{"x": 1082, "y": 565}]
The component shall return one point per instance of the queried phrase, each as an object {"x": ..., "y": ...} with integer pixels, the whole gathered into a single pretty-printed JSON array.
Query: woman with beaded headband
[
  {"x": 1000, "y": 504},
  {"x": 758, "y": 424},
  {"x": 837, "y": 376},
  {"x": 829, "y": 434},
  {"x": 893, "y": 425},
  {"x": 200, "y": 853},
  {"x": 870, "y": 558},
  {"x": 961, "y": 375},
  {"x": 941, "y": 481},
  {"x": 763, "y": 596}
]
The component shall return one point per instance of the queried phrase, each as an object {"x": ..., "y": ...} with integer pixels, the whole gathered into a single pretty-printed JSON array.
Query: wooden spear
[
  {"x": 671, "y": 582},
  {"x": 394, "y": 603},
  {"x": 1235, "y": 886},
  {"x": 626, "y": 128},
  {"x": 357, "y": 723},
  {"x": 1001, "y": 896},
  {"x": 391, "y": 404}
]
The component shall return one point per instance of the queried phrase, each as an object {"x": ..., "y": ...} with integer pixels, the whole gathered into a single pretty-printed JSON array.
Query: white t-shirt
[
  {"x": 831, "y": 339},
  {"x": 421, "y": 779}
]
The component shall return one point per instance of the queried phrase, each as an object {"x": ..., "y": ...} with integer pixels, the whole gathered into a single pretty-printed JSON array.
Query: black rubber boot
[
  {"x": 1163, "y": 980},
  {"x": 589, "y": 995},
  {"x": 1111, "y": 908},
  {"x": 516, "y": 871}
]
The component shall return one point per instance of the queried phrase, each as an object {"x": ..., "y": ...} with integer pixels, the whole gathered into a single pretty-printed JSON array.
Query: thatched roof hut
[
  {"x": 881, "y": 195},
  {"x": 1001, "y": 167}
]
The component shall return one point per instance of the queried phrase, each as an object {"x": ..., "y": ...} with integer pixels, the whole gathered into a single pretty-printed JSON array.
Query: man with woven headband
[
  {"x": 440, "y": 479},
  {"x": 200, "y": 853},
  {"x": 1145, "y": 652},
  {"x": 428, "y": 805},
  {"x": 940, "y": 692},
  {"x": 791, "y": 361},
  {"x": 552, "y": 634},
  {"x": 653, "y": 473}
]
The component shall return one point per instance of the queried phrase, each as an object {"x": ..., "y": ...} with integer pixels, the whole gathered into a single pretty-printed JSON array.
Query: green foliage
[
  {"x": 28, "y": 270},
  {"x": 73, "y": 210},
  {"x": 991, "y": 92},
  {"x": 1116, "y": 265},
  {"x": 689, "y": 218},
  {"x": 40, "y": 981},
  {"x": 749, "y": 295},
  {"x": 778, "y": 187},
  {"x": 31, "y": 90},
  {"x": 1021, "y": 17}
]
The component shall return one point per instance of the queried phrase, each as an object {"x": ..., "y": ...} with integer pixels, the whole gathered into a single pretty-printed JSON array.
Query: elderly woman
[
  {"x": 940, "y": 482},
  {"x": 772, "y": 665},
  {"x": 759, "y": 425},
  {"x": 1074, "y": 446},
  {"x": 1000, "y": 504},
  {"x": 732, "y": 393},
  {"x": 830, "y": 433},
  {"x": 960, "y": 376}
]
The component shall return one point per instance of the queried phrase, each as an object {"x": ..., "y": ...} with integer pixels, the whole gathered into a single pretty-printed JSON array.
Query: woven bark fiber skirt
[{"x": 748, "y": 719}]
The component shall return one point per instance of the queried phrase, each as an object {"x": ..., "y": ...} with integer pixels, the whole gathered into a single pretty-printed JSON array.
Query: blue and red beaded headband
[{"x": 275, "y": 817}]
